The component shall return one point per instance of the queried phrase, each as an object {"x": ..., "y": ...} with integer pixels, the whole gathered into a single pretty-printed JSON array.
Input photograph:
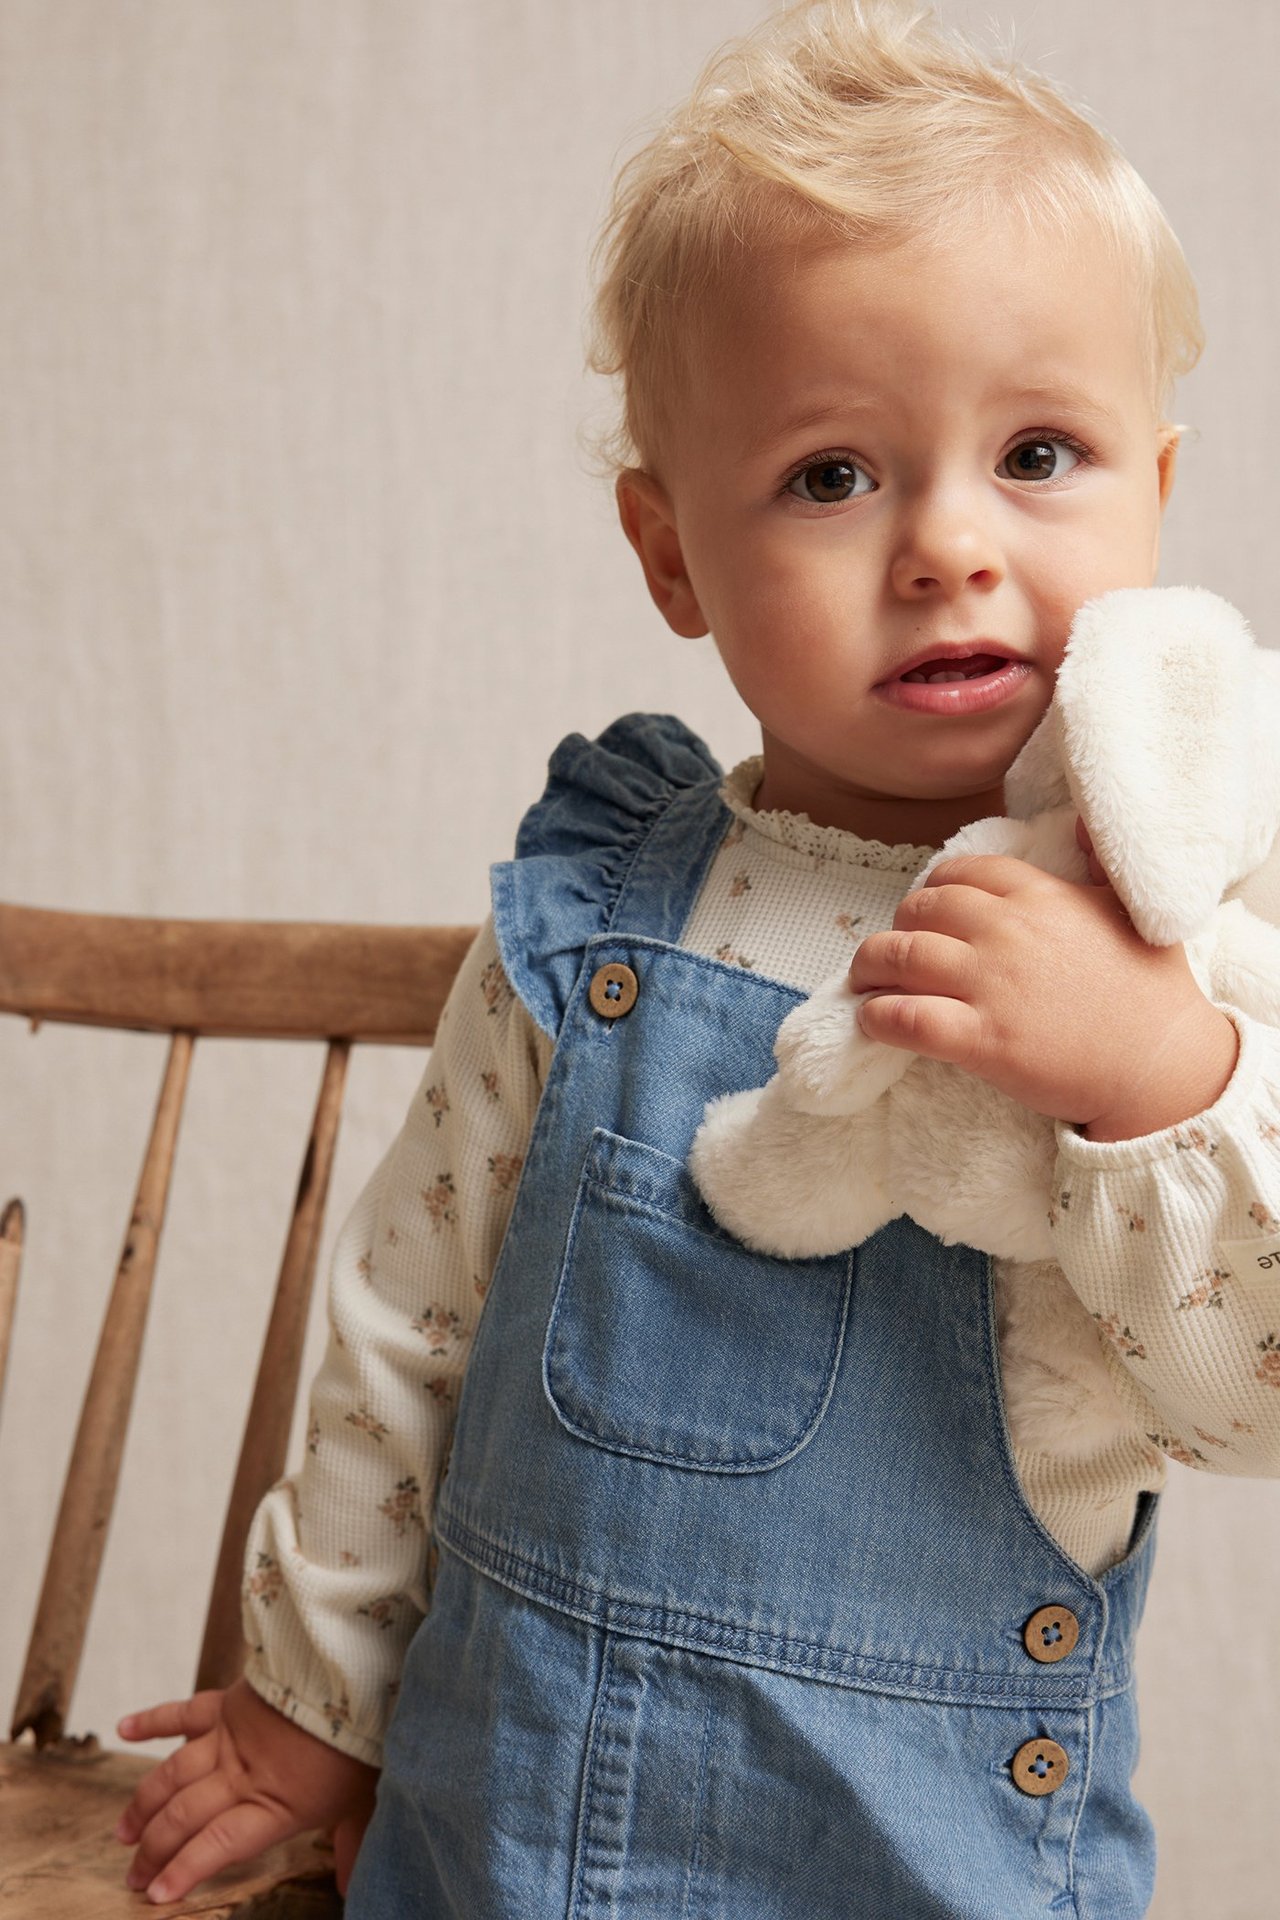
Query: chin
[{"x": 966, "y": 785}]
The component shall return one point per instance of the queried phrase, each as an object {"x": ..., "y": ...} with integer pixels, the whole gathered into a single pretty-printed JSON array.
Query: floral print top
[{"x": 1161, "y": 1292}]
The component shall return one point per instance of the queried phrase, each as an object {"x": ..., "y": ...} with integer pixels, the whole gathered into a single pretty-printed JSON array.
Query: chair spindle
[
  {"x": 12, "y": 1223},
  {"x": 75, "y": 1557},
  {"x": 266, "y": 1435}
]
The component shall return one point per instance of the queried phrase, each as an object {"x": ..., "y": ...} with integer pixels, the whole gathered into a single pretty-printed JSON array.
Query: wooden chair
[{"x": 60, "y": 1796}]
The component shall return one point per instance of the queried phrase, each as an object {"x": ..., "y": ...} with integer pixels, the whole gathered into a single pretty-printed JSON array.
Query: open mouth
[
  {"x": 957, "y": 685},
  {"x": 933, "y": 673}
]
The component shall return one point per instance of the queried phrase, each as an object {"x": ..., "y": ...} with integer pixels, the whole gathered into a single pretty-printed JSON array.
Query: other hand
[{"x": 246, "y": 1778}]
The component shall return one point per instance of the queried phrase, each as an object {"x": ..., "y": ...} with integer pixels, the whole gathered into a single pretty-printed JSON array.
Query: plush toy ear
[{"x": 1170, "y": 718}]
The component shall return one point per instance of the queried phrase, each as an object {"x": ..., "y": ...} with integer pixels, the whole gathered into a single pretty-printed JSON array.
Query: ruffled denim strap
[{"x": 621, "y": 838}]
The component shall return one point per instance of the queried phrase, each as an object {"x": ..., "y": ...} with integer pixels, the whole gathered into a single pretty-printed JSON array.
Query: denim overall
[{"x": 734, "y": 1562}]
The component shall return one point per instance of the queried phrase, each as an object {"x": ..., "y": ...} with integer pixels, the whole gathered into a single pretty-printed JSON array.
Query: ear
[
  {"x": 1168, "y": 713},
  {"x": 1168, "y": 440},
  {"x": 649, "y": 522}
]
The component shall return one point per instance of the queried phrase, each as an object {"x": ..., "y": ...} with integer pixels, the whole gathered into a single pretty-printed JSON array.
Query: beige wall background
[{"x": 302, "y": 572}]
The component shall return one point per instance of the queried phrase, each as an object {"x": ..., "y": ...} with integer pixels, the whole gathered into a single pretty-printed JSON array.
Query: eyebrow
[
  {"x": 1062, "y": 393},
  {"x": 811, "y": 417},
  {"x": 1055, "y": 396}
]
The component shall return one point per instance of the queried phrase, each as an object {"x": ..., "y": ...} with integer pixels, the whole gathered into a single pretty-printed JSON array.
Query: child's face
[{"x": 884, "y": 453}]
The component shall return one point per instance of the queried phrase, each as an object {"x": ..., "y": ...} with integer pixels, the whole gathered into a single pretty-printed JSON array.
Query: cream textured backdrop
[{"x": 301, "y": 574}]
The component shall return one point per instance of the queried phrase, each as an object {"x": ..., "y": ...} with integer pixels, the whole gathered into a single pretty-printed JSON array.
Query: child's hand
[
  {"x": 1043, "y": 988},
  {"x": 246, "y": 1778}
]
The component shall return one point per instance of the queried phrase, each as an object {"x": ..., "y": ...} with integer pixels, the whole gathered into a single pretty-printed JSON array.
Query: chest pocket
[{"x": 672, "y": 1342}]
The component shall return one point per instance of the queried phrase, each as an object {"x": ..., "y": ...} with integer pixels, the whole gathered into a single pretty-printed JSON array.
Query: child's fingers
[
  {"x": 915, "y": 962},
  {"x": 185, "y": 1717},
  {"x": 188, "y": 1764},
  {"x": 963, "y": 911},
  {"x": 205, "y": 1804},
  {"x": 998, "y": 873},
  {"x": 938, "y": 1028},
  {"x": 243, "y": 1831},
  {"x": 174, "y": 1824}
]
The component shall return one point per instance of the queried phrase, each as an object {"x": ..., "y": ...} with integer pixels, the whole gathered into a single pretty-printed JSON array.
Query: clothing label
[{"x": 1254, "y": 1263}]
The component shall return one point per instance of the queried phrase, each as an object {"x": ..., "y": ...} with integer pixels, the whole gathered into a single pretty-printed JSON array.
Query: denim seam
[
  {"x": 580, "y": 1862},
  {"x": 1081, "y": 1802},
  {"x": 693, "y": 1872},
  {"x": 751, "y": 1646}
]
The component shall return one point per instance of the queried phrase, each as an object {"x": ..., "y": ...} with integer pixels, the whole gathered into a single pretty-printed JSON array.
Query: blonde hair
[{"x": 863, "y": 121}]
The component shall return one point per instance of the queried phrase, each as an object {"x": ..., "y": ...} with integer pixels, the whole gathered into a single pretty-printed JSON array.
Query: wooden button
[
  {"x": 1039, "y": 1767},
  {"x": 1051, "y": 1634},
  {"x": 613, "y": 990}
]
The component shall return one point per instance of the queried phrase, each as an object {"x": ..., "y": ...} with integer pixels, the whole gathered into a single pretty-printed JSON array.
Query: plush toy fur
[{"x": 1164, "y": 733}]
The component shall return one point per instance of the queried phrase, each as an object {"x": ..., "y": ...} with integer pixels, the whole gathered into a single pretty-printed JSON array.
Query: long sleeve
[
  {"x": 1172, "y": 1241},
  {"x": 337, "y": 1574}
]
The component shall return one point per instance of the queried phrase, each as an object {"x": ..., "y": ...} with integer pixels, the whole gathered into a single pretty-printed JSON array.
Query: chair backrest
[{"x": 196, "y": 979}]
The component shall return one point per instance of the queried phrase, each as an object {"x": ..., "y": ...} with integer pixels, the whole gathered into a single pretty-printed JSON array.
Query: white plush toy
[{"x": 1164, "y": 734}]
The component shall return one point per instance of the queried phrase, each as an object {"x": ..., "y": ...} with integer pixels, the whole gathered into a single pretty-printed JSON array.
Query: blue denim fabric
[{"x": 734, "y": 1559}]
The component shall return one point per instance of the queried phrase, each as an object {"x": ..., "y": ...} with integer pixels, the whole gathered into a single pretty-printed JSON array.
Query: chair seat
[{"x": 59, "y": 1859}]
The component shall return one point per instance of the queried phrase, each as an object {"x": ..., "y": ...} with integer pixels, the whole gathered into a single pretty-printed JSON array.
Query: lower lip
[{"x": 956, "y": 696}]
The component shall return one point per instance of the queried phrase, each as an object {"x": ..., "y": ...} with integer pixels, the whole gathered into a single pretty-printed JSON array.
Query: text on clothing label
[{"x": 1254, "y": 1263}]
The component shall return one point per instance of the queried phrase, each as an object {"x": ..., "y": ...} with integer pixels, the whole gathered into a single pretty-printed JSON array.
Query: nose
[{"x": 946, "y": 544}]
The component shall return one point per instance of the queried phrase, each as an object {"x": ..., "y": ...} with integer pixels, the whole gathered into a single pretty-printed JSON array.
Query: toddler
[{"x": 758, "y": 1588}]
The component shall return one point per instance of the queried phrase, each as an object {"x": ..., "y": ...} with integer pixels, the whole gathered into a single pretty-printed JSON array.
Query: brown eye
[
  {"x": 827, "y": 482},
  {"x": 1039, "y": 460}
]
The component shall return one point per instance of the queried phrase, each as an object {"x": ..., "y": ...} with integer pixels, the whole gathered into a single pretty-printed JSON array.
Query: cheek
[
  {"x": 1120, "y": 551},
  {"x": 761, "y": 601},
  {"x": 1097, "y": 562},
  {"x": 772, "y": 648}
]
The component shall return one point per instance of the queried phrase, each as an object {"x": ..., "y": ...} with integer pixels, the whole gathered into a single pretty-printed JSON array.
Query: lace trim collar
[{"x": 798, "y": 832}]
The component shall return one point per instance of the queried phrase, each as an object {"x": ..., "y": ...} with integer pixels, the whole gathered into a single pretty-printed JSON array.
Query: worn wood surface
[
  {"x": 12, "y": 1227},
  {"x": 60, "y": 1861},
  {"x": 266, "y": 1434},
  {"x": 88, "y": 1496},
  {"x": 266, "y": 979}
]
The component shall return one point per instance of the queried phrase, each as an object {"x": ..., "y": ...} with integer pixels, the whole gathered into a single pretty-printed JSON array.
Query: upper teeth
[{"x": 932, "y": 679}]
